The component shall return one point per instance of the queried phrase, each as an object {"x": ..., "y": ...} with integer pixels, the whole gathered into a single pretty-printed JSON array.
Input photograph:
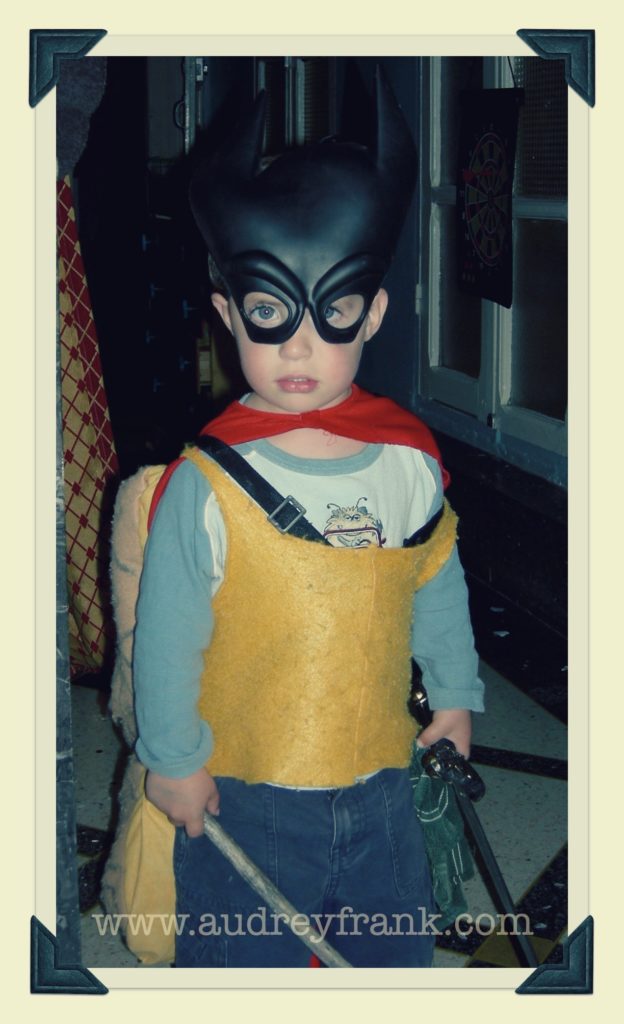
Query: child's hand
[
  {"x": 454, "y": 724},
  {"x": 184, "y": 800}
]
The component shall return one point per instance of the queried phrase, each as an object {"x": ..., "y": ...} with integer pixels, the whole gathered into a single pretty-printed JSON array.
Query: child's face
[{"x": 304, "y": 372}]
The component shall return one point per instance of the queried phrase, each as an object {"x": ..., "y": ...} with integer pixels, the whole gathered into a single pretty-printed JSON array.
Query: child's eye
[
  {"x": 265, "y": 313},
  {"x": 345, "y": 311},
  {"x": 337, "y": 312}
]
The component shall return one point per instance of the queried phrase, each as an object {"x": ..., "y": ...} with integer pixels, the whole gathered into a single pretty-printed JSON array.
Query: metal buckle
[{"x": 288, "y": 500}]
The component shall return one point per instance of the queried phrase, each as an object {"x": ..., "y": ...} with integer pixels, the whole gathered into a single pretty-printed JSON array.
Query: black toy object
[
  {"x": 444, "y": 761},
  {"x": 441, "y": 760}
]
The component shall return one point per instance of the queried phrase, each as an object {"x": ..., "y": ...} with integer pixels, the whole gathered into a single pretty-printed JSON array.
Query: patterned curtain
[{"x": 90, "y": 461}]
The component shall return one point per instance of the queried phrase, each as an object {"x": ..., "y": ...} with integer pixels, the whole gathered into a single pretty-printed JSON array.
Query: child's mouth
[{"x": 297, "y": 385}]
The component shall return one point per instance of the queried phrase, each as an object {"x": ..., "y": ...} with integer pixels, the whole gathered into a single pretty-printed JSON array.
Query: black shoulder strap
[
  {"x": 285, "y": 514},
  {"x": 423, "y": 534}
]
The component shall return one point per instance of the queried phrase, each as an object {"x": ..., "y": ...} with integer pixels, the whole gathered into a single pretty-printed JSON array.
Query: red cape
[{"x": 362, "y": 416}]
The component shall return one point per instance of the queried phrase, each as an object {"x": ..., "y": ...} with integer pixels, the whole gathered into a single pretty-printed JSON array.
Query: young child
[{"x": 272, "y": 673}]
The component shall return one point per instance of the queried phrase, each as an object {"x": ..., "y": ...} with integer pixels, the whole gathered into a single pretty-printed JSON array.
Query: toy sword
[{"x": 443, "y": 761}]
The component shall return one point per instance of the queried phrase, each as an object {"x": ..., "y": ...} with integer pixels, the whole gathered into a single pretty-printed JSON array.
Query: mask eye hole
[
  {"x": 345, "y": 311},
  {"x": 264, "y": 310}
]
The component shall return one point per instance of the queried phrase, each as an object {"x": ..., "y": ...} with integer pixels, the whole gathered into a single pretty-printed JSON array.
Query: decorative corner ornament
[
  {"x": 47, "y": 47},
  {"x": 576, "y": 47},
  {"x": 575, "y": 975},
  {"x": 47, "y": 975}
]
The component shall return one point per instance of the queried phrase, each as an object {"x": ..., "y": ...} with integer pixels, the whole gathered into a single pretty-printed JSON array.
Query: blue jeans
[{"x": 352, "y": 860}]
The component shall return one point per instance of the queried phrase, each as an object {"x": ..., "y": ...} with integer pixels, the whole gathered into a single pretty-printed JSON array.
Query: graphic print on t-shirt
[{"x": 353, "y": 526}]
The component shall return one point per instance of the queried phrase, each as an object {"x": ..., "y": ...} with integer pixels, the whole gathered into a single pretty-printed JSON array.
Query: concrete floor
[{"x": 523, "y": 814}]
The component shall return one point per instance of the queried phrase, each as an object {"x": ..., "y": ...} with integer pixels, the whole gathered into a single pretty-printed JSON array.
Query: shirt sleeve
[
  {"x": 174, "y": 624},
  {"x": 442, "y": 636}
]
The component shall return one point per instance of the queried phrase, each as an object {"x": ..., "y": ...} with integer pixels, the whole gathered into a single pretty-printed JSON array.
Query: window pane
[
  {"x": 272, "y": 77},
  {"x": 540, "y": 324},
  {"x": 458, "y": 73},
  {"x": 541, "y": 162},
  {"x": 460, "y": 313},
  {"x": 314, "y": 99}
]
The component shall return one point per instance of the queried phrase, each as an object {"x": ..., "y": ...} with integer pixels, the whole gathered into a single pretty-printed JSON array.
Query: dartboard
[{"x": 487, "y": 197}]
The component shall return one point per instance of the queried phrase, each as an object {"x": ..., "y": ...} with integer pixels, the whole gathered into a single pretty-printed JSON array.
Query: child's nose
[{"x": 300, "y": 344}]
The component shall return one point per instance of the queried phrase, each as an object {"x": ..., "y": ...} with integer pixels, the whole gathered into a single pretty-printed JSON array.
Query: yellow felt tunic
[
  {"x": 305, "y": 681},
  {"x": 307, "y": 676}
]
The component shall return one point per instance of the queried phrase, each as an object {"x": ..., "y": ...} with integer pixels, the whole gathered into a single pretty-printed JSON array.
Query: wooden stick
[{"x": 271, "y": 895}]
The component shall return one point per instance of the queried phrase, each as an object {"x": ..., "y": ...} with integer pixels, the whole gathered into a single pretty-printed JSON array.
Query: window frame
[{"x": 485, "y": 399}]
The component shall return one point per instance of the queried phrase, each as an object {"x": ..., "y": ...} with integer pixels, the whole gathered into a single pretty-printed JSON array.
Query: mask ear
[
  {"x": 222, "y": 306},
  {"x": 376, "y": 313}
]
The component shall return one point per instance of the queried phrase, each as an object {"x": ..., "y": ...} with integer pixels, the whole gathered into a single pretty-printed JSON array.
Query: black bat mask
[{"x": 315, "y": 230}]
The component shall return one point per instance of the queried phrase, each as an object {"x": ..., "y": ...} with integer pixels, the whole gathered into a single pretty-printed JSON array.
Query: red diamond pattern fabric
[{"x": 90, "y": 460}]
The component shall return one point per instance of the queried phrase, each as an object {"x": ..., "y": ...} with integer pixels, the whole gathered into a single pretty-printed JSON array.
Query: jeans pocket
[{"x": 405, "y": 838}]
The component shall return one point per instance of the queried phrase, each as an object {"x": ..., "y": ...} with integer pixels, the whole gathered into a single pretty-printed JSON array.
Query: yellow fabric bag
[
  {"x": 138, "y": 882},
  {"x": 149, "y": 884}
]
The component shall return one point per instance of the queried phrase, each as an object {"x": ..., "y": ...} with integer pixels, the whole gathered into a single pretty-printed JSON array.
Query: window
[
  {"x": 502, "y": 369},
  {"x": 300, "y": 99}
]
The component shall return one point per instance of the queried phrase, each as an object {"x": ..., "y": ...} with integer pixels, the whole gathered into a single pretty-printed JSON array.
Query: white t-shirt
[{"x": 380, "y": 496}]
